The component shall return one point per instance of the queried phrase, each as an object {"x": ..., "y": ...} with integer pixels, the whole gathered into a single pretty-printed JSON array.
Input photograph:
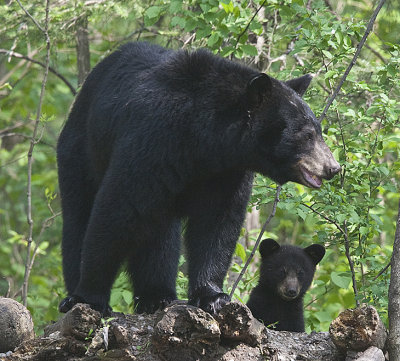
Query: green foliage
[{"x": 355, "y": 210}]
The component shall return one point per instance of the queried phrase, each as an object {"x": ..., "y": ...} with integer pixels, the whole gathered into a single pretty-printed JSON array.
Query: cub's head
[
  {"x": 286, "y": 136},
  {"x": 288, "y": 270}
]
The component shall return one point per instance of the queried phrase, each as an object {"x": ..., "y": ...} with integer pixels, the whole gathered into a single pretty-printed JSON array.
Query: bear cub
[{"x": 286, "y": 274}]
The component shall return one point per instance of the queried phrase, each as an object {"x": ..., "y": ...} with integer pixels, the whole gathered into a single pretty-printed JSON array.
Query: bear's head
[
  {"x": 286, "y": 137},
  {"x": 288, "y": 271}
]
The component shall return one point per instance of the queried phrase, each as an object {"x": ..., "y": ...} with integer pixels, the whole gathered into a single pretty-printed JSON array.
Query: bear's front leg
[{"x": 216, "y": 216}]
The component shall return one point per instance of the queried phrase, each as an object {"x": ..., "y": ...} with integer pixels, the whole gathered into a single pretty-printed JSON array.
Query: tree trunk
[
  {"x": 394, "y": 297},
  {"x": 82, "y": 49}
]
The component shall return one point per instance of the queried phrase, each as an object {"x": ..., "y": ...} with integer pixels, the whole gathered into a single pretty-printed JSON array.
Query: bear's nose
[
  {"x": 291, "y": 293},
  {"x": 335, "y": 170}
]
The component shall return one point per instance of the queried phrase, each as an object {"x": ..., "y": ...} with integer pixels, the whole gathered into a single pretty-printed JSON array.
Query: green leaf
[
  {"x": 327, "y": 54},
  {"x": 127, "y": 296},
  {"x": 249, "y": 49},
  {"x": 152, "y": 15},
  {"x": 213, "y": 39},
  {"x": 178, "y": 21},
  {"x": 153, "y": 12},
  {"x": 341, "y": 279},
  {"x": 240, "y": 251},
  {"x": 175, "y": 6}
]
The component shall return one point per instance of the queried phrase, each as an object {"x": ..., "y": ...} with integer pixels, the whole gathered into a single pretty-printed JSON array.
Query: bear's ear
[
  {"x": 268, "y": 246},
  {"x": 316, "y": 252},
  {"x": 256, "y": 89},
  {"x": 300, "y": 85}
]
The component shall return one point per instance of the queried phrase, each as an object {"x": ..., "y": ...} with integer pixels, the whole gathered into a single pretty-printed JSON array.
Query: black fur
[
  {"x": 286, "y": 274},
  {"x": 157, "y": 136}
]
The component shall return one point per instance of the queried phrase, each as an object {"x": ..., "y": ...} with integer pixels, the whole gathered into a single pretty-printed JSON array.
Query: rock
[
  {"x": 358, "y": 329},
  {"x": 185, "y": 333},
  {"x": 79, "y": 322},
  {"x": 15, "y": 324},
  {"x": 371, "y": 354},
  {"x": 237, "y": 324}
]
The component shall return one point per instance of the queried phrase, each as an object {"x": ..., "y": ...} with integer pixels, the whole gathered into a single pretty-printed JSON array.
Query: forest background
[{"x": 353, "y": 215}]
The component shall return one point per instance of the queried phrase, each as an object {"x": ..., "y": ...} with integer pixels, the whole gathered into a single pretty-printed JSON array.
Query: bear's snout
[{"x": 289, "y": 288}]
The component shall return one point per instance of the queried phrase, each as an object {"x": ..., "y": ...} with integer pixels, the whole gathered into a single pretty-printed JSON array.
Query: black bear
[
  {"x": 158, "y": 136},
  {"x": 286, "y": 274}
]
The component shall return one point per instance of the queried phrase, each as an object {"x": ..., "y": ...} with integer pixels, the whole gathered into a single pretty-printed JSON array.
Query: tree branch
[
  {"x": 55, "y": 72},
  {"x": 32, "y": 146},
  {"x": 346, "y": 246},
  {"x": 357, "y": 53},
  {"x": 264, "y": 227}
]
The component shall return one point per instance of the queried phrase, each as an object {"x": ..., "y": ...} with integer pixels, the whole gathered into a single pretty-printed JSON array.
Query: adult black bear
[
  {"x": 156, "y": 136},
  {"x": 286, "y": 274}
]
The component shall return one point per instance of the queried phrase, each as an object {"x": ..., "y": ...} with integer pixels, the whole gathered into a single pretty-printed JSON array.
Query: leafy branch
[
  {"x": 43, "y": 65},
  {"x": 264, "y": 227},
  {"x": 353, "y": 61}
]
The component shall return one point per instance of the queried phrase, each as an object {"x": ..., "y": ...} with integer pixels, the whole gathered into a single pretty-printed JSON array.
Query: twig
[
  {"x": 330, "y": 220},
  {"x": 351, "y": 264},
  {"x": 382, "y": 271},
  {"x": 276, "y": 200},
  {"x": 346, "y": 246},
  {"x": 32, "y": 146},
  {"x": 12, "y": 127},
  {"x": 249, "y": 23},
  {"x": 44, "y": 31},
  {"x": 55, "y": 72},
  {"x": 46, "y": 224},
  {"x": 357, "y": 53}
]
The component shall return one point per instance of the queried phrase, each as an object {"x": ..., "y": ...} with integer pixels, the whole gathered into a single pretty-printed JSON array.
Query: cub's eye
[
  {"x": 309, "y": 136},
  {"x": 300, "y": 273}
]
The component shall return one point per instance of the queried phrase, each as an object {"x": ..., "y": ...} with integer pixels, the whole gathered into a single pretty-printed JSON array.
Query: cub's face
[
  {"x": 287, "y": 270},
  {"x": 287, "y": 136}
]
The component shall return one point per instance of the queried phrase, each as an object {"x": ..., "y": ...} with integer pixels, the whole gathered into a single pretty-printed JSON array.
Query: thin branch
[
  {"x": 264, "y": 227},
  {"x": 351, "y": 264},
  {"x": 44, "y": 31},
  {"x": 249, "y": 23},
  {"x": 46, "y": 224},
  {"x": 344, "y": 232},
  {"x": 32, "y": 146},
  {"x": 382, "y": 271},
  {"x": 357, "y": 53},
  {"x": 330, "y": 220},
  {"x": 55, "y": 72},
  {"x": 12, "y": 127}
]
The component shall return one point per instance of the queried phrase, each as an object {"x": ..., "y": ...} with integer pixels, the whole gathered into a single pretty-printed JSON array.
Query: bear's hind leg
[
  {"x": 153, "y": 266},
  {"x": 77, "y": 196},
  {"x": 107, "y": 240}
]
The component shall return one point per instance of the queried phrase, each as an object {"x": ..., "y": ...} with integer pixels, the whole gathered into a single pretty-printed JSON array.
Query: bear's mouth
[
  {"x": 286, "y": 297},
  {"x": 309, "y": 179}
]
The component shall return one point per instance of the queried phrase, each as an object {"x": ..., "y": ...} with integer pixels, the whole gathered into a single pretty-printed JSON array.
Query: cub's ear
[
  {"x": 256, "y": 88},
  {"x": 316, "y": 252},
  {"x": 268, "y": 246},
  {"x": 300, "y": 85}
]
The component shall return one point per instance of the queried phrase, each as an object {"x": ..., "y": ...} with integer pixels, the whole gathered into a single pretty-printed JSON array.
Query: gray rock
[
  {"x": 16, "y": 324},
  {"x": 237, "y": 324},
  {"x": 186, "y": 333}
]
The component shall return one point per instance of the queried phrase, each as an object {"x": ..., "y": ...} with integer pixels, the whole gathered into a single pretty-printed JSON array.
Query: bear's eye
[
  {"x": 309, "y": 136},
  {"x": 300, "y": 273}
]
